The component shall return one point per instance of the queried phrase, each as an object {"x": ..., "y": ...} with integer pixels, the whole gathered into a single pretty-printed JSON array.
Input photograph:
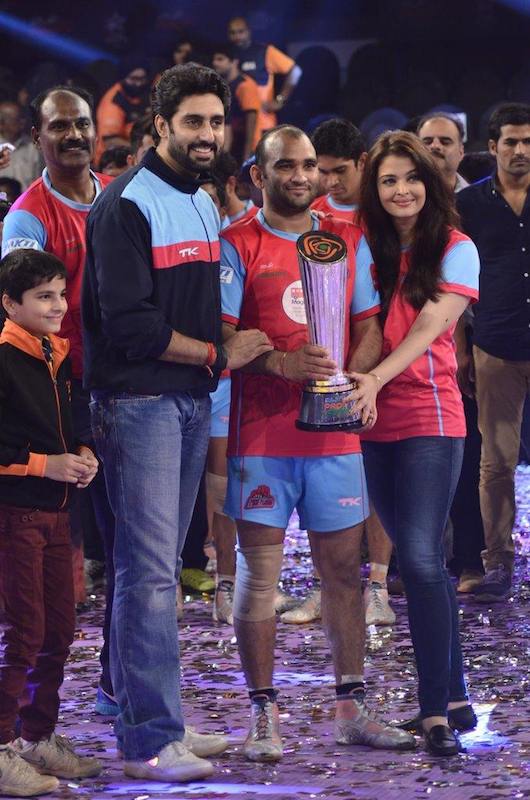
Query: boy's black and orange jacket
[{"x": 35, "y": 419}]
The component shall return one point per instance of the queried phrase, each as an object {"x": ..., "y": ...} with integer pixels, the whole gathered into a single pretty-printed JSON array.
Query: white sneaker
[
  {"x": 263, "y": 742},
  {"x": 56, "y": 756},
  {"x": 223, "y": 602},
  {"x": 20, "y": 779},
  {"x": 283, "y": 601},
  {"x": 174, "y": 763},
  {"x": 204, "y": 745},
  {"x": 308, "y": 611},
  {"x": 376, "y": 606}
]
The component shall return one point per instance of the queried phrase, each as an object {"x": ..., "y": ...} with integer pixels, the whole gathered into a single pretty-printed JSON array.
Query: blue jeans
[
  {"x": 411, "y": 484},
  {"x": 153, "y": 449}
]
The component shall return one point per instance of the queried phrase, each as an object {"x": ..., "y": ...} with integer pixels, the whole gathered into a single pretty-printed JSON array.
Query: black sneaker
[{"x": 495, "y": 585}]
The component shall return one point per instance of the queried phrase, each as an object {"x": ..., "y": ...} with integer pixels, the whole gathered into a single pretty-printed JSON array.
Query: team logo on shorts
[
  {"x": 349, "y": 501},
  {"x": 293, "y": 303},
  {"x": 260, "y": 498}
]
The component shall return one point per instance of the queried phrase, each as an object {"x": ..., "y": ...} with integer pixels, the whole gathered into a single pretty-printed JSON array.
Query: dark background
[{"x": 409, "y": 55}]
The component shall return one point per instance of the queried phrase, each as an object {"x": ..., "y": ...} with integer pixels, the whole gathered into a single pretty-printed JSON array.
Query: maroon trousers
[{"x": 39, "y": 620}]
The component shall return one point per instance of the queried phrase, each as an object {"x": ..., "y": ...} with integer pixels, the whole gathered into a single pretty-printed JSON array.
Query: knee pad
[
  {"x": 216, "y": 490},
  {"x": 257, "y": 573}
]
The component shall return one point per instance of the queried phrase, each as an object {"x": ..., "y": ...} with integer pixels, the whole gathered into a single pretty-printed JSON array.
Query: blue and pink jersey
[{"x": 424, "y": 400}]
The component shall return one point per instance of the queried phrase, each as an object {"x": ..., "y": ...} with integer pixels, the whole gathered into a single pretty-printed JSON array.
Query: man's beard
[
  {"x": 287, "y": 206},
  {"x": 180, "y": 155}
]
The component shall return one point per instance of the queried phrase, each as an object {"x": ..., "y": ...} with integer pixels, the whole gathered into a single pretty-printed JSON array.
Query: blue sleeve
[
  {"x": 22, "y": 229},
  {"x": 460, "y": 269},
  {"x": 365, "y": 296},
  {"x": 233, "y": 274}
]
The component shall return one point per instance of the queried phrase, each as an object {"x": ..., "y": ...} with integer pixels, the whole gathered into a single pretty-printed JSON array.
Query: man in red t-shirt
[
  {"x": 272, "y": 466},
  {"x": 341, "y": 153}
]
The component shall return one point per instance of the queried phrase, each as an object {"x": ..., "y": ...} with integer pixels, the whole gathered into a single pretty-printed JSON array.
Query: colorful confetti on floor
[{"x": 496, "y": 763}]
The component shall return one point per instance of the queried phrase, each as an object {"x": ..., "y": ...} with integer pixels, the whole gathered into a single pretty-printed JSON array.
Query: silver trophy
[{"x": 327, "y": 405}]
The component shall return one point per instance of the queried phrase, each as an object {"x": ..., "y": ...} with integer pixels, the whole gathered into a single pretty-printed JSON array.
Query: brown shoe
[{"x": 469, "y": 579}]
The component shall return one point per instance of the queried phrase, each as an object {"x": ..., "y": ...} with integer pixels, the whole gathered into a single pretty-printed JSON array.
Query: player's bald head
[{"x": 271, "y": 143}]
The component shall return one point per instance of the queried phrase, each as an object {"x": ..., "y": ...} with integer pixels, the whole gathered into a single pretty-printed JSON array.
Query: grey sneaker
[
  {"x": 283, "y": 601},
  {"x": 366, "y": 729},
  {"x": 56, "y": 756},
  {"x": 308, "y": 611},
  {"x": 204, "y": 745},
  {"x": 263, "y": 742},
  {"x": 20, "y": 779},
  {"x": 495, "y": 585},
  {"x": 174, "y": 764},
  {"x": 376, "y": 606}
]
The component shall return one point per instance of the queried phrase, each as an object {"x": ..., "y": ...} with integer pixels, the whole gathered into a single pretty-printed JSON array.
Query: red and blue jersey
[
  {"x": 249, "y": 211},
  {"x": 261, "y": 288},
  {"x": 43, "y": 219},
  {"x": 326, "y": 204},
  {"x": 424, "y": 400}
]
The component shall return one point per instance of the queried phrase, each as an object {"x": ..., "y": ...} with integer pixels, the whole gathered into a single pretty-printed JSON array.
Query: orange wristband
[{"x": 211, "y": 358}]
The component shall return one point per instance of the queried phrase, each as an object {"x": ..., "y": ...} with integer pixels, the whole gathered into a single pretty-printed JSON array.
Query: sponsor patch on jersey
[
  {"x": 227, "y": 274},
  {"x": 260, "y": 497},
  {"x": 293, "y": 303},
  {"x": 19, "y": 243}
]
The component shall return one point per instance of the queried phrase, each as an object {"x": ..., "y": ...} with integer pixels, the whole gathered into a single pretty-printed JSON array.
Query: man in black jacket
[{"x": 152, "y": 325}]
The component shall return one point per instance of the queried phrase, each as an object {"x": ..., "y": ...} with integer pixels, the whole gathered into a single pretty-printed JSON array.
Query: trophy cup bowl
[{"x": 327, "y": 405}]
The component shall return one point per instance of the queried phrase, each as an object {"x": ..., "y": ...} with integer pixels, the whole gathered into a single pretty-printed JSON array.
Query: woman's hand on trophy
[
  {"x": 245, "y": 346},
  {"x": 309, "y": 363},
  {"x": 369, "y": 418},
  {"x": 365, "y": 392}
]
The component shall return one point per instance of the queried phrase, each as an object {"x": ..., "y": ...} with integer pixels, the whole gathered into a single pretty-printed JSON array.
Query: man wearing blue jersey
[{"x": 153, "y": 352}]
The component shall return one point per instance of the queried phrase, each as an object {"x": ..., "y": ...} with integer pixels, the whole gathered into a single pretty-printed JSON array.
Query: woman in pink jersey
[{"x": 427, "y": 273}]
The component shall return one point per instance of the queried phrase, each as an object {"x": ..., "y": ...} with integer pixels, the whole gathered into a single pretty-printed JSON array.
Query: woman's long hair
[{"x": 431, "y": 232}]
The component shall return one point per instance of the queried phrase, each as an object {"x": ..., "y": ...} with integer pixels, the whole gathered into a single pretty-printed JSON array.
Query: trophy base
[{"x": 326, "y": 407}]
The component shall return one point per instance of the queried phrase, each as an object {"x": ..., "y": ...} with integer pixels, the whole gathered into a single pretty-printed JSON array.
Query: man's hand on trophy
[
  {"x": 245, "y": 346},
  {"x": 309, "y": 363}
]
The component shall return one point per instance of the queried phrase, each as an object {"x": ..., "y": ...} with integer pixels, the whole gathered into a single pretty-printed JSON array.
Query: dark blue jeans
[
  {"x": 411, "y": 484},
  {"x": 154, "y": 450}
]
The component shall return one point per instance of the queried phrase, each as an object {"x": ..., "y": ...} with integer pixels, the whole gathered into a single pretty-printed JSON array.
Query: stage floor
[{"x": 496, "y": 763}]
